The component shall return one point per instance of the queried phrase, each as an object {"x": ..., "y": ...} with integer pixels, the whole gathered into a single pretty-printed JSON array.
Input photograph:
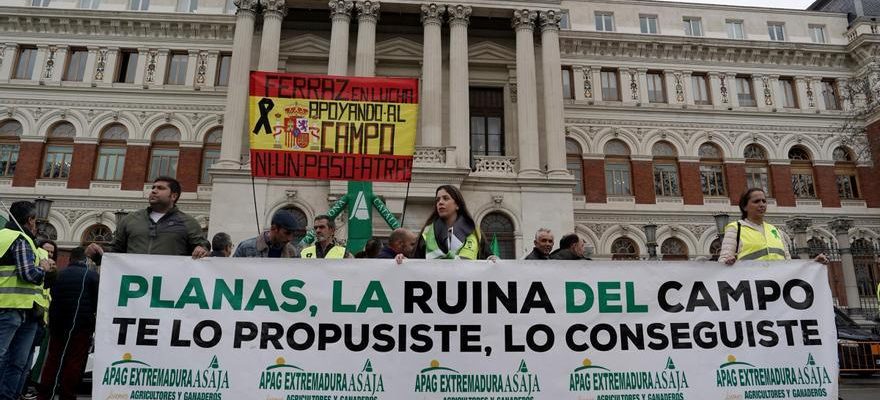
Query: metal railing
[{"x": 858, "y": 357}]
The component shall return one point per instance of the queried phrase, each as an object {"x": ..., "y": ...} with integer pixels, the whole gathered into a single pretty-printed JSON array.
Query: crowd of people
[{"x": 37, "y": 298}]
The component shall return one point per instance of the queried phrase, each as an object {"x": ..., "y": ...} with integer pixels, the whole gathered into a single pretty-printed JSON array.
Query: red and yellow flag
[{"x": 332, "y": 127}]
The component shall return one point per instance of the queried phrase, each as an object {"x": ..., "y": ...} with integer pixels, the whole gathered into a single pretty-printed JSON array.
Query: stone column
[
  {"x": 732, "y": 93},
  {"x": 798, "y": 226},
  {"x": 818, "y": 93},
  {"x": 340, "y": 15},
  {"x": 687, "y": 83},
  {"x": 161, "y": 64},
  {"x": 579, "y": 73},
  {"x": 805, "y": 93},
  {"x": 140, "y": 72},
  {"x": 365, "y": 55},
  {"x": 763, "y": 92},
  {"x": 192, "y": 65},
  {"x": 841, "y": 227},
  {"x": 720, "y": 94},
  {"x": 778, "y": 93},
  {"x": 273, "y": 13},
  {"x": 91, "y": 60},
  {"x": 674, "y": 85},
  {"x": 234, "y": 122},
  {"x": 629, "y": 87},
  {"x": 643, "y": 86},
  {"x": 552, "y": 76},
  {"x": 212, "y": 68},
  {"x": 111, "y": 60},
  {"x": 459, "y": 88},
  {"x": 432, "y": 76},
  {"x": 845, "y": 99},
  {"x": 8, "y": 52},
  {"x": 526, "y": 87}
]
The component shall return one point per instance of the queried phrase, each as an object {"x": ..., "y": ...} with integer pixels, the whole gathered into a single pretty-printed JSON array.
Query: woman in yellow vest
[
  {"x": 450, "y": 232},
  {"x": 752, "y": 238}
]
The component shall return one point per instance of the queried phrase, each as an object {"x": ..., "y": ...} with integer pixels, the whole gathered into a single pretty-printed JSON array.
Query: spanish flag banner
[{"x": 332, "y": 127}]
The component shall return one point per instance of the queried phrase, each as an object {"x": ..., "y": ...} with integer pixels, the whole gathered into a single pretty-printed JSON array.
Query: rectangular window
[
  {"x": 24, "y": 68},
  {"x": 610, "y": 87},
  {"x": 210, "y": 157},
  {"x": 656, "y": 89},
  {"x": 39, "y": 3},
  {"x": 735, "y": 29},
  {"x": 223, "y": 65},
  {"x": 487, "y": 121},
  {"x": 788, "y": 92},
  {"x": 817, "y": 33},
  {"x": 128, "y": 60},
  {"x": 700, "y": 86},
  {"x": 712, "y": 180},
  {"x": 757, "y": 177},
  {"x": 567, "y": 88},
  {"x": 76, "y": 65},
  {"x": 576, "y": 168},
  {"x": 847, "y": 186},
  {"x": 8, "y": 159},
  {"x": 111, "y": 161},
  {"x": 89, "y": 4},
  {"x": 57, "y": 162},
  {"x": 617, "y": 179},
  {"x": 138, "y": 5},
  {"x": 187, "y": 5},
  {"x": 230, "y": 7},
  {"x": 744, "y": 92},
  {"x": 177, "y": 69},
  {"x": 604, "y": 22},
  {"x": 565, "y": 20},
  {"x": 666, "y": 180},
  {"x": 693, "y": 26},
  {"x": 777, "y": 31},
  {"x": 802, "y": 185},
  {"x": 829, "y": 92},
  {"x": 648, "y": 24},
  {"x": 163, "y": 162}
]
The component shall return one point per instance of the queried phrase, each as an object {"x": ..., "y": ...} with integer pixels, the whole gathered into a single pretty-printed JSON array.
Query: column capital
[
  {"x": 340, "y": 9},
  {"x": 549, "y": 20},
  {"x": 799, "y": 224},
  {"x": 274, "y": 8},
  {"x": 246, "y": 6},
  {"x": 368, "y": 10},
  {"x": 432, "y": 14},
  {"x": 458, "y": 14},
  {"x": 524, "y": 19},
  {"x": 841, "y": 225}
]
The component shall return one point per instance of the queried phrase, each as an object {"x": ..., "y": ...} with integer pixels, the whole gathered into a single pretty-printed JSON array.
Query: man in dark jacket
[
  {"x": 571, "y": 247},
  {"x": 221, "y": 245},
  {"x": 401, "y": 241},
  {"x": 160, "y": 228},
  {"x": 275, "y": 242},
  {"x": 71, "y": 325},
  {"x": 543, "y": 245}
]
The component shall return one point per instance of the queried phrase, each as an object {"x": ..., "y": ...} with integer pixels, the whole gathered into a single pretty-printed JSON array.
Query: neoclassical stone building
[{"x": 595, "y": 117}]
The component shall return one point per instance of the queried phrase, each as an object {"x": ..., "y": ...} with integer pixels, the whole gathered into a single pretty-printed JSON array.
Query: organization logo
[
  {"x": 361, "y": 209},
  {"x": 776, "y": 381},
  {"x": 663, "y": 384},
  {"x": 167, "y": 383},
  {"x": 440, "y": 379},
  {"x": 284, "y": 376}
]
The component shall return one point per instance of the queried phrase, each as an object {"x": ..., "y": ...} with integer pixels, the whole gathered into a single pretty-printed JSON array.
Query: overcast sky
[{"x": 796, "y": 4}]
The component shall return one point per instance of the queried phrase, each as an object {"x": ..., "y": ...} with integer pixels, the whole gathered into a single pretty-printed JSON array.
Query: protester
[
  {"x": 402, "y": 241},
  {"x": 543, "y": 245},
  {"x": 325, "y": 245},
  {"x": 371, "y": 249},
  {"x": 158, "y": 229},
  {"x": 273, "y": 243},
  {"x": 221, "y": 245},
  {"x": 31, "y": 377},
  {"x": 571, "y": 247},
  {"x": 23, "y": 298},
  {"x": 752, "y": 238},
  {"x": 450, "y": 232},
  {"x": 71, "y": 325}
]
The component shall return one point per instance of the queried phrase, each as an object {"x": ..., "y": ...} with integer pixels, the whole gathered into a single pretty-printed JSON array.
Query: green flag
[{"x": 496, "y": 250}]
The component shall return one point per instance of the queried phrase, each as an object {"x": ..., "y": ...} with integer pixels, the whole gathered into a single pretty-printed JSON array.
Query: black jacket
[
  {"x": 75, "y": 284},
  {"x": 537, "y": 255},
  {"x": 564, "y": 254},
  {"x": 387, "y": 252}
]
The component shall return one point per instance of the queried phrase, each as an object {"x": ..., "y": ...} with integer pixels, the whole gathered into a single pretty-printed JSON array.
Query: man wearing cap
[{"x": 274, "y": 243}]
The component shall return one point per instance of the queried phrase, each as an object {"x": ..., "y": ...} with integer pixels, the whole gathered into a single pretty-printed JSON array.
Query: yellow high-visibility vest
[
  {"x": 757, "y": 246},
  {"x": 337, "y": 252},
  {"x": 14, "y": 291}
]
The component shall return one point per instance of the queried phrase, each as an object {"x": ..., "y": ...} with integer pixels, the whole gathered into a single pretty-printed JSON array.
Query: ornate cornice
[
  {"x": 840, "y": 225},
  {"x": 246, "y": 6},
  {"x": 368, "y": 10},
  {"x": 277, "y": 8},
  {"x": 432, "y": 14},
  {"x": 550, "y": 20},
  {"x": 458, "y": 14},
  {"x": 340, "y": 9},
  {"x": 524, "y": 19},
  {"x": 799, "y": 224}
]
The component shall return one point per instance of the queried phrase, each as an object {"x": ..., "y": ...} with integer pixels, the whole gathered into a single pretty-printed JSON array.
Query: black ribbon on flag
[{"x": 266, "y": 105}]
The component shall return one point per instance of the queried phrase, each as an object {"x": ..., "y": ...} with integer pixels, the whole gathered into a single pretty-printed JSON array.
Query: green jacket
[{"x": 176, "y": 234}]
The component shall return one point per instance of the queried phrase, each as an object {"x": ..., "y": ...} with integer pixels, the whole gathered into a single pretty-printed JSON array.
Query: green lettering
[
  {"x": 299, "y": 300},
  {"x": 262, "y": 296},
  {"x": 375, "y": 297},
  {"x": 606, "y": 297},
  {"x": 571, "y": 290},
  {"x": 156, "y": 295},
  {"x": 193, "y": 293},
  {"x": 337, "y": 300},
  {"x": 126, "y": 291},
  {"x": 631, "y": 306},
  {"x": 223, "y": 292}
]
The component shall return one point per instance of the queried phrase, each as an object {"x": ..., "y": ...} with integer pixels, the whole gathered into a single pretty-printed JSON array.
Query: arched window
[
  {"x": 864, "y": 253},
  {"x": 111, "y": 153},
  {"x": 59, "y": 151},
  {"x": 665, "y": 170},
  {"x": 47, "y": 231},
  {"x": 674, "y": 249},
  {"x": 496, "y": 225},
  {"x": 624, "y": 248},
  {"x": 618, "y": 177},
  {"x": 801, "y": 173},
  {"x": 575, "y": 163},
  {"x": 712, "y": 170},
  {"x": 301, "y": 220},
  {"x": 757, "y": 168},
  {"x": 164, "y": 153},
  {"x": 99, "y": 234},
  {"x": 845, "y": 171},
  {"x": 210, "y": 152},
  {"x": 817, "y": 246},
  {"x": 10, "y": 132}
]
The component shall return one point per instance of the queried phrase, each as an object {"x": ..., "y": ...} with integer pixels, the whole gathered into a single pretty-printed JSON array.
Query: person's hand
[
  {"x": 199, "y": 252},
  {"x": 399, "y": 259},
  {"x": 93, "y": 249},
  {"x": 730, "y": 261},
  {"x": 821, "y": 259},
  {"x": 48, "y": 265}
]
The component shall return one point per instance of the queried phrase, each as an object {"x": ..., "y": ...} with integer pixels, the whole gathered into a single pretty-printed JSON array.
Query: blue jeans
[{"x": 17, "y": 330}]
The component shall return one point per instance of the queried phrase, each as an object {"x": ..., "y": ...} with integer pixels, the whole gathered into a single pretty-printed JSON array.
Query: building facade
[{"x": 595, "y": 117}]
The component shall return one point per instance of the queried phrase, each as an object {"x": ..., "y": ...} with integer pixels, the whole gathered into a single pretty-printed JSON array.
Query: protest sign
[
  {"x": 180, "y": 329},
  {"x": 332, "y": 127}
]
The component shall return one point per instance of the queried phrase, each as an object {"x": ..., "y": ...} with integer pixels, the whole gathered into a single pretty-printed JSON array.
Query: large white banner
[{"x": 235, "y": 329}]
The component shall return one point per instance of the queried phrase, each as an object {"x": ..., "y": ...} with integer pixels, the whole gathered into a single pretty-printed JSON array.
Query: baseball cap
[{"x": 285, "y": 219}]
